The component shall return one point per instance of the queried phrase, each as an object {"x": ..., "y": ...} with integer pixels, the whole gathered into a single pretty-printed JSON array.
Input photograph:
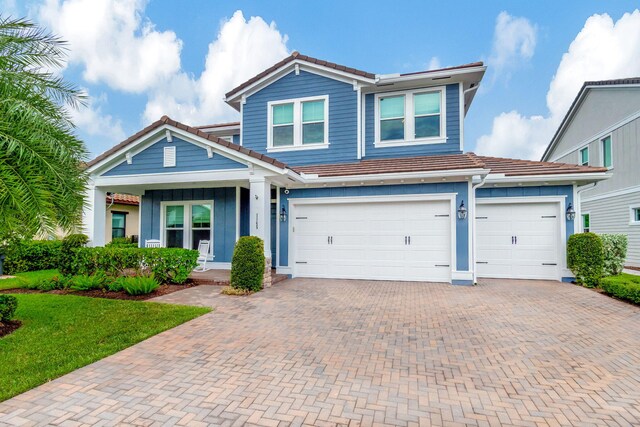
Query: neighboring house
[
  {"x": 347, "y": 174},
  {"x": 122, "y": 216},
  {"x": 602, "y": 128}
]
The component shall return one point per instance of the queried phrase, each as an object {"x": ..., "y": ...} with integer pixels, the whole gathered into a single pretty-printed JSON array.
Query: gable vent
[{"x": 169, "y": 157}]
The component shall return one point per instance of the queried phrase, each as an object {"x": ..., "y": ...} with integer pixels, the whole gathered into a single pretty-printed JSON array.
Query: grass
[
  {"x": 61, "y": 333},
  {"x": 23, "y": 279},
  {"x": 623, "y": 286}
]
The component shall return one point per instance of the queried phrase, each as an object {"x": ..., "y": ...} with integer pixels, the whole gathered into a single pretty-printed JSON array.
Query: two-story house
[
  {"x": 347, "y": 174},
  {"x": 602, "y": 128}
]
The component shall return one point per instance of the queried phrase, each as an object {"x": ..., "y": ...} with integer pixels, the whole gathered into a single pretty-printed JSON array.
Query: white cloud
[
  {"x": 602, "y": 50},
  {"x": 434, "y": 63},
  {"x": 514, "y": 41},
  {"x": 113, "y": 43},
  {"x": 104, "y": 129},
  {"x": 242, "y": 49}
]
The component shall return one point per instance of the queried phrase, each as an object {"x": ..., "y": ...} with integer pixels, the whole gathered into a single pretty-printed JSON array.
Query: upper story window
[
  {"x": 607, "y": 160},
  {"x": 584, "y": 156},
  {"x": 635, "y": 215},
  {"x": 410, "y": 117},
  {"x": 298, "y": 124}
]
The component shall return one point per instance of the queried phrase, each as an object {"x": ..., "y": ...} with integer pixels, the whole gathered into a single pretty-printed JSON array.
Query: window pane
[
  {"x": 585, "y": 220},
  {"x": 117, "y": 233},
  {"x": 427, "y": 126},
  {"x": 175, "y": 238},
  {"x": 427, "y": 103},
  {"x": 584, "y": 156},
  {"x": 313, "y": 133},
  {"x": 391, "y": 130},
  {"x": 198, "y": 235},
  {"x": 175, "y": 217},
  {"x": 313, "y": 111},
  {"x": 201, "y": 216},
  {"x": 606, "y": 152},
  {"x": 283, "y": 114},
  {"x": 282, "y": 136},
  {"x": 118, "y": 220},
  {"x": 636, "y": 212},
  {"x": 392, "y": 107}
]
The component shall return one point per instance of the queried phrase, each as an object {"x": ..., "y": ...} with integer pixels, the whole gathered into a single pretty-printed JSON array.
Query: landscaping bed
[
  {"x": 62, "y": 333},
  {"x": 7, "y": 327}
]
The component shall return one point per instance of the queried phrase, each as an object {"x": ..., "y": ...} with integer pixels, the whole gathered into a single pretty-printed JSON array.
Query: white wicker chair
[{"x": 203, "y": 255}]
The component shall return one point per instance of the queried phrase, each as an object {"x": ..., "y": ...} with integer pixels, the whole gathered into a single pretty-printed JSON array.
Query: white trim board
[{"x": 622, "y": 192}]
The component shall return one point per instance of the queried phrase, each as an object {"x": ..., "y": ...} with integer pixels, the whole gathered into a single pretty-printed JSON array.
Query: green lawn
[
  {"x": 22, "y": 279},
  {"x": 61, "y": 333}
]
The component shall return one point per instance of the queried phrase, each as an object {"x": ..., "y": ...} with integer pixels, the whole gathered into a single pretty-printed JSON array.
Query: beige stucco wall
[{"x": 132, "y": 220}]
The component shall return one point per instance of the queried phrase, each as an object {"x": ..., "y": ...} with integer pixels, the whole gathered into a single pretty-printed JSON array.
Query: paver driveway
[{"x": 348, "y": 352}]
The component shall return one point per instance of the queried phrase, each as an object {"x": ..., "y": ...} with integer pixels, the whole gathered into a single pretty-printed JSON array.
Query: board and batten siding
[
  {"x": 459, "y": 188},
  {"x": 612, "y": 215},
  {"x": 189, "y": 157},
  {"x": 224, "y": 215},
  {"x": 451, "y": 146},
  {"x": 342, "y": 118},
  {"x": 602, "y": 108}
]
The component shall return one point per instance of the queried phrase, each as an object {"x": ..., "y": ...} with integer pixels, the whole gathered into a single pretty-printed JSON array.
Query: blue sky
[{"x": 174, "y": 40}]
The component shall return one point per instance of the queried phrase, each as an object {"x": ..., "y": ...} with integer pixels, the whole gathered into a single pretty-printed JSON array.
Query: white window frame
[
  {"x": 582, "y": 214},
  {"x": 297, "y": 124},
  {"x": 610, "y": 136},
  {"x": 632, "y": 217},
  {"x": 588, "y": 156},
  {"x": 188, "y": 227},
  {"x": 409, "y": 118}
]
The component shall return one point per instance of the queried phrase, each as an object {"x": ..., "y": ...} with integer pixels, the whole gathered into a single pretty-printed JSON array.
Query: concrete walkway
[{"x": 331, "y": 352}]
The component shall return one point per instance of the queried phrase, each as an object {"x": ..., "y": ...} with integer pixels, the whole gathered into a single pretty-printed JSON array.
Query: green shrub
[
  {"x": 140, "y": 285},
  {"x": 585, "y": 258},
  {"x": 247, "y": 264},
  {"x": 230, "y": 290},
  {"x": 116, "y": 285},
  {"x": 8, "y": 306},
  {"x": 121, "y": 242},
  {"x": 624, "y": 286},
  {"x": 49, "y": 284},
  {"x": 85, "y": 282},
  {"x": 31, "y": 255},
  {"x": 67, "y": 252},
  {"x": 169, "y": 265},
  {"x": 615, "y": 253}
]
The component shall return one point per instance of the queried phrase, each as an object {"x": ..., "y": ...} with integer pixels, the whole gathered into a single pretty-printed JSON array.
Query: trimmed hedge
[
  {"x": 615, "y": 253},
  {"x": 31, "y": 255},
  {"x": 247, "y": 264},
  {"x": 585, "y": 258},
  {"x": 67, "y": 254},
  {"x": 168, "y": 265},
  {"x": 122, "y": 242},
  {"x": 8, "y": 306},
  {"x": 624, "y": 286}
]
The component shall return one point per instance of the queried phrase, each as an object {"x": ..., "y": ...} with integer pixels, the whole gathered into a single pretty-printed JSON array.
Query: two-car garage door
[{"x": 409, "y": 240}]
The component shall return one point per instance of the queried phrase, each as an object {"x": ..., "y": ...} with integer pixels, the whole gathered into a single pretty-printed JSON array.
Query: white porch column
[
  {"x": 94, "y": 215},
  {"x": 260, "y": 211}
]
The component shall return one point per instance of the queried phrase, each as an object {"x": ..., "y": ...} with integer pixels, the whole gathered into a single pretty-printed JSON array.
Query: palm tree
[{"x": 42, "y": 182}]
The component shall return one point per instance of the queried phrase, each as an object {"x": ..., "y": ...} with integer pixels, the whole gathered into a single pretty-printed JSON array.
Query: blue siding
[
  {"x": 547, "y": 190},
  {"x": 460, "y": 188},
  {"x": 452, "y": 146},
  {"x": 236, "y": 139},
  {"x": 244, "y": 212},
  {"x": 189, "y": 157},
  {"x": 224, "y": 215},
  {"x": 342, "y": 118}
]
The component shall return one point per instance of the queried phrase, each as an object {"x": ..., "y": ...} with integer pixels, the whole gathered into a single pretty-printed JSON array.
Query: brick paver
[{"x": 321, "y": 352}]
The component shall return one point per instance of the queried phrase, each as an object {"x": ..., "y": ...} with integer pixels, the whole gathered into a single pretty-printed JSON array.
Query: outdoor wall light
[
  {"x": 283, "y": 214},
  {"x": 462, "y": 211},
  {"x": 571, "y": 213}
]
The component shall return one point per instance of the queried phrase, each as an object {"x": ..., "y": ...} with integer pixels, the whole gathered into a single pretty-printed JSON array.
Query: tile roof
[
  {"x": 397, "y": 165},
  {"x": 123, "y": 199},
  {"x": 296, "y": 55},
  {"x": 218, "y": 125},
  {"x": 516, "y": 167},
  {"x": 195, "y": 131}
]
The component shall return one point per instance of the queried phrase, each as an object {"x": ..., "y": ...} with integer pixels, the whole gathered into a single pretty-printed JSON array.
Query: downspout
[
  {"x": 473, "y": 228},
  {"x": 113, "y": 199},
  {"x": 578, "y": 201}
]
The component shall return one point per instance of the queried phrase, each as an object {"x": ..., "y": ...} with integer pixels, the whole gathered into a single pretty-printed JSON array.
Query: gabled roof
[
  {"x": 578, "y": 99},
  {"x": 192, "y": 130},
  {"x": 298, "y": 56}
]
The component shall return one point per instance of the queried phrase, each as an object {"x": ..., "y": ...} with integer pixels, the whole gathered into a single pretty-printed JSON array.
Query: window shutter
[{"x": 169, "y": 157}]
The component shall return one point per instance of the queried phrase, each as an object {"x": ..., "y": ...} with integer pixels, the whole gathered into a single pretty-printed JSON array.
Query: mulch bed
[
  {"x": 8, "y": 327},
  {"x": 162, "y": 290}
]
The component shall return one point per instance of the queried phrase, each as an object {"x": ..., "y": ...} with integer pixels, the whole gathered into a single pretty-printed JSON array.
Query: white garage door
[
  {"x": 380, "y": 241},
  {"x": 518, "y": 240}
]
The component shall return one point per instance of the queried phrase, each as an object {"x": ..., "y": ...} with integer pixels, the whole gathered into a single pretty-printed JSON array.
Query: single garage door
[
  {"x": 375, "y": 240},
  {"x": 518, "y": 240}
]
